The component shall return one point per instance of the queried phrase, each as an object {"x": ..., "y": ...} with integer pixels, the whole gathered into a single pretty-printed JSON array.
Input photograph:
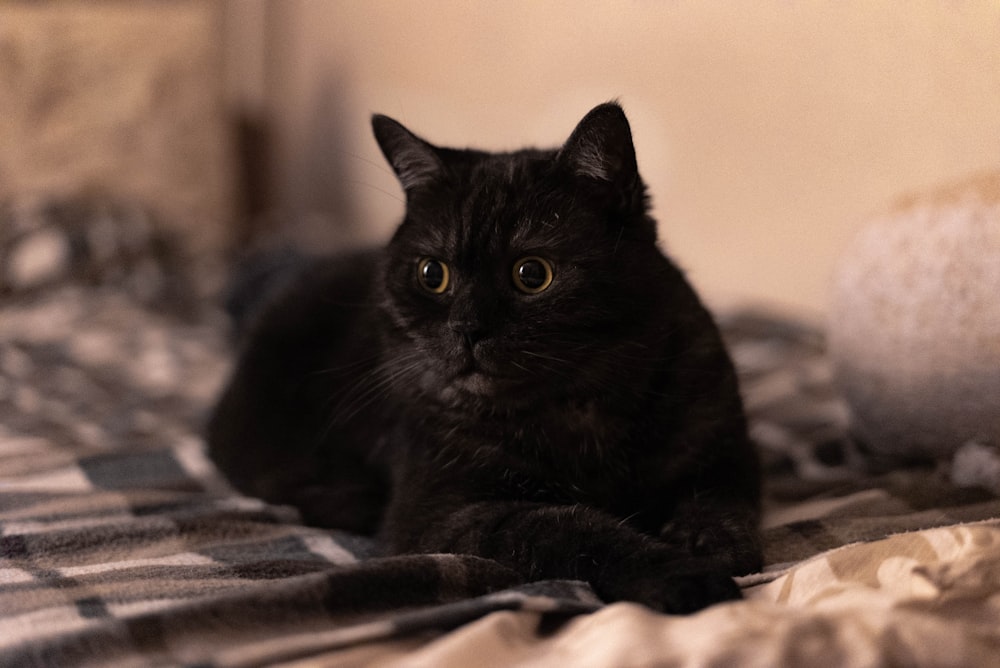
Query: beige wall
[{"x": 767, "y": 130}]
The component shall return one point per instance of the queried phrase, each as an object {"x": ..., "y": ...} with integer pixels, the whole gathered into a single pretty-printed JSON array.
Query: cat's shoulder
[{"x": 313, "y": 293}]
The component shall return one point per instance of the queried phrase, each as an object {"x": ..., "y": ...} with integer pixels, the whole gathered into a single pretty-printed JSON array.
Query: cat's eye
[
  {"x": 532, "y": 274},
  {"x": 433, "y": 275}
]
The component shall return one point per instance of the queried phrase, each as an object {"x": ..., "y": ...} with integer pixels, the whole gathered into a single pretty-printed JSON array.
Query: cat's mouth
[
  {"x": 477, "y": 382},
  {"x": 478, "y": 375},
  {"x": 478, "y": 379}
]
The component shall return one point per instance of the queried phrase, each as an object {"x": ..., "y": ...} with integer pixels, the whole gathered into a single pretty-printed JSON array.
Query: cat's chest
[
  {"x": 568, "y": 454},
  {"x": 587, "y": 433}
]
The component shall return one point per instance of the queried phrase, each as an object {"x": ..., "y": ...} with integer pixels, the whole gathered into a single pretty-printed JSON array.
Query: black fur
[{"x": 593, "y": 430}]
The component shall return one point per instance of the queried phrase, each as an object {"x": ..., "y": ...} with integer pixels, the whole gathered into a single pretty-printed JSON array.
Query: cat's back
[
  {"x": 312, "y": 338},
  {"x": 308, "y": 297}
]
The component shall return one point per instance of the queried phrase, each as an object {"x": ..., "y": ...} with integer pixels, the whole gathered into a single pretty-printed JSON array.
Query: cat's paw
[
  {"x": 731, "y": 544},
  {"x": 666, "y": 589}
]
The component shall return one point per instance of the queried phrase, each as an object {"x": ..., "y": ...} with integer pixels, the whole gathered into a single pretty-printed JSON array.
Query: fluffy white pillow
[{"x": 915, "y": 324}]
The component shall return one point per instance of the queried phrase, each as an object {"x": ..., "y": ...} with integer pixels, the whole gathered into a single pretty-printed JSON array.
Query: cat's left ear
[
  {"x": 600, "y": 147},
  {"x": 415, "y": 161}
]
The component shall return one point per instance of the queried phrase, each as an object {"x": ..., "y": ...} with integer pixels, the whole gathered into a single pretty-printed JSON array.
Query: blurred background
[{"x": 768, "y": 131}]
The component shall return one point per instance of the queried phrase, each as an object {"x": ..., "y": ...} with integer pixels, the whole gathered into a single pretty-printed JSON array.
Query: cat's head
[{"x": 515, "y": 277}]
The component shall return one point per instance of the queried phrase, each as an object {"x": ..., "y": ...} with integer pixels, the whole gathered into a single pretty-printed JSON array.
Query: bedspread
[{"x": 120, "y": 544}]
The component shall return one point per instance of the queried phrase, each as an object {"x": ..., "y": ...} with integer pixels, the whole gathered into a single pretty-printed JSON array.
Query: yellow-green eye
[
  {"x": 433, "y": 275},
  {"x": 532, "y": 274}
]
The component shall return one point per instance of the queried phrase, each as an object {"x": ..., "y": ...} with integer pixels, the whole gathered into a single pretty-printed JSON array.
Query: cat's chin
[
  {"x": 479, "y": 384},
  {"x": 477, "y": 389}
]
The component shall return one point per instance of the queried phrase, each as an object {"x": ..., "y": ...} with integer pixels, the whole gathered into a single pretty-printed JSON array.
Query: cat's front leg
[{"x": 543, "y": 541}]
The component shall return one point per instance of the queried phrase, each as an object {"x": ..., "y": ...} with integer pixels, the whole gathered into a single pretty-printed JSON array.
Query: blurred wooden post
[{"x": 120, "y": 100}]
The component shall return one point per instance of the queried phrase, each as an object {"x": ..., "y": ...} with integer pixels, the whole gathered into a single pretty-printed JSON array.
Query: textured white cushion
[{"x": 915, "y": 323}]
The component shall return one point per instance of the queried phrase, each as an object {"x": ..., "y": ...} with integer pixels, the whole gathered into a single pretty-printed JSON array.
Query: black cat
[{"x": 521, "y": 375}]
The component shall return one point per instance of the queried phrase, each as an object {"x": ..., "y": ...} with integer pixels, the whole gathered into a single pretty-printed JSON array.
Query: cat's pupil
[
  {"x": 532, "y": 274},
  {"x": 433, "y": 274}
]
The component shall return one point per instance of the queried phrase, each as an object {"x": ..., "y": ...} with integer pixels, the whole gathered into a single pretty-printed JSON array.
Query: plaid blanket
[{"x": 120, "y": 544}]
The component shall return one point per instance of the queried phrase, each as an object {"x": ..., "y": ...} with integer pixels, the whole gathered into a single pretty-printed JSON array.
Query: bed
[{"x": 120, "y": 544}]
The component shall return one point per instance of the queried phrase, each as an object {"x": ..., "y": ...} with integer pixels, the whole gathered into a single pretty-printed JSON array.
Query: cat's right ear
[
  {"x": 600, "y": 147},
  {"x": 415, "y": 161}
]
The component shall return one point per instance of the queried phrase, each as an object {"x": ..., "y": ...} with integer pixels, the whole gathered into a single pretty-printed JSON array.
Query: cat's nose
[{"x": 470, "y": 331}]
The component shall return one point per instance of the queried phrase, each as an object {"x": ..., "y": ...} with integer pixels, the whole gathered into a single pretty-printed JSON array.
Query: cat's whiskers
[
  {"x": 552, "y": 358},
  {"x": 377, "y": 164},
  {"x": 626, "y": 520},
  {"x": 374, "y": 386},
  {"x": 345, "y": 367},
  {"x": 558, "y": 366},
  {"x": 372, "y": 186},
  {"x": 618, "y": 365},
  {"x": 618, "y": 241},
  {"x": 520, "y": 366}
]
